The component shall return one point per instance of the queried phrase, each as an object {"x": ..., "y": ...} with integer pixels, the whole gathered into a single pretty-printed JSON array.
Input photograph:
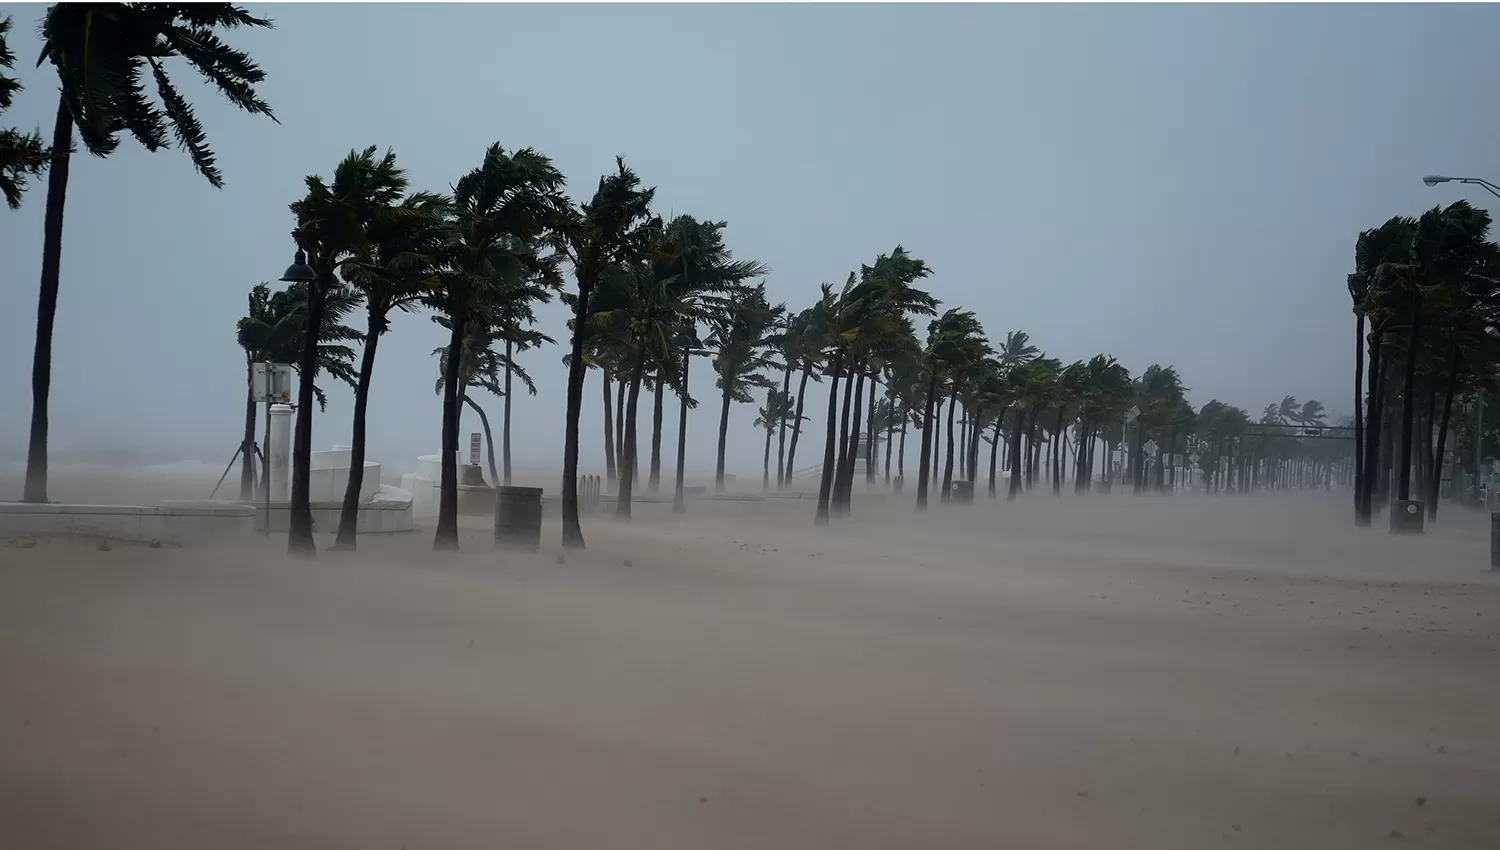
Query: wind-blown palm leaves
[
  {"x": 742, "y": 356},
  {"x": 102, "y": 53},
  {"x": 333, "y": 227},
  {"x": 399, "y": 265},
  {"x": 955, "y": 344},
  {"x": 601, "y": 235},
  {"x": 22, "y": 155},
  {"x": 502, "y": 211}
]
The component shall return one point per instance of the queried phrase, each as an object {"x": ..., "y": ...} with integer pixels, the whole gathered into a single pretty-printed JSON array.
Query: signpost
[
  {"x": 474, "y": 449},
  {"x": 1150, "y": 448}
]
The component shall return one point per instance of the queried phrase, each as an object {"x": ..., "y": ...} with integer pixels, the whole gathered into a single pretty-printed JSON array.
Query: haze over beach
[{"x": 759, "y": 426}]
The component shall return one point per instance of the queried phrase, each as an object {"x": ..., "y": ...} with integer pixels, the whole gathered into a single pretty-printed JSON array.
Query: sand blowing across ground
[{"x": 1111, "y": 672}]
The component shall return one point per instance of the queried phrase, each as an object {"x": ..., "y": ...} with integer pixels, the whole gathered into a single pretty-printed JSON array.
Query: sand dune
[{"x": 1099, "y": 673}]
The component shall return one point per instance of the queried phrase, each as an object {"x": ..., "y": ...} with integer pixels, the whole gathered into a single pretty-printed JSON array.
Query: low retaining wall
[
  {"x": 167, "y": 523},
  {"x": 373, "y": 518}
]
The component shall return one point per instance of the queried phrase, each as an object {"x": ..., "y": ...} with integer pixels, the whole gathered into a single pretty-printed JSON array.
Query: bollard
[
  {"x": 518, "y": 518},
  {"x": 1495, "y": 540}
]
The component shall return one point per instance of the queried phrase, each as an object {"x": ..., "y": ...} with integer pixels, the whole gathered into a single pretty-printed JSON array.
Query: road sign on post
[
  {"x": 1194, "y": 458},
  {"x": 1150, "y": 447},
  {"x": 474, "y": 449}
]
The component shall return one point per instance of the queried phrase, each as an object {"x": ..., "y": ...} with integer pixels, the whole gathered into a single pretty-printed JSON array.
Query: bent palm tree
[{"x": 102, "y": 53}]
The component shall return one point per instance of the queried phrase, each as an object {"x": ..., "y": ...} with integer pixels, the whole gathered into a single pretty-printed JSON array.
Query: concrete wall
[
  {"x": 195, "y": 522},
  {"x": 373, "y": 517}
]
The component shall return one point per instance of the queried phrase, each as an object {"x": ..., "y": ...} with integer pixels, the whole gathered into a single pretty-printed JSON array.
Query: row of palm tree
[{"x": 1426, "y": 299}]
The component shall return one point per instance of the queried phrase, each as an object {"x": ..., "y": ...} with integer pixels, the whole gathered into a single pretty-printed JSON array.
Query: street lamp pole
[{"x": 1433, "y": 180}]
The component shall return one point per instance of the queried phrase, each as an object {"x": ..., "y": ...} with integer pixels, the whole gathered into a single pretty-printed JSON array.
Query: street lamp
[
  {"x": 299, "y": 271},
  {"x": 1434, "y": 179}
]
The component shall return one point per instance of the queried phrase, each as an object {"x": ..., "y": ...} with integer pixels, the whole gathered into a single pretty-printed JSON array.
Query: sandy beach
[{"x": 1111, "y": 672}]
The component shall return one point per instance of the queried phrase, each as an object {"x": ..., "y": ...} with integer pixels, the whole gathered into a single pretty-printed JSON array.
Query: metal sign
[
  {"x": 1194, "y": 458},
  {"x": 474, "y": 449},
  {"x": 271, "y": 382},
  {"x": 1150, "y": 447},
  {"x": 1131, "y": 414}
]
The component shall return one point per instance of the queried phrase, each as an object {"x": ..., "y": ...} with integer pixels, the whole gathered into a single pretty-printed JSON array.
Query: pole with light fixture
[{"x": 298, "y": 272}]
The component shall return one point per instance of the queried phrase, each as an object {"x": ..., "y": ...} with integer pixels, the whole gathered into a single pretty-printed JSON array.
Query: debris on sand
[
  {"x": 104, "y": 546},
  {"x": 629, "y": 563},
  {"x": 1396, "y": 834},
  {"x": 1421, "y": 801},
  {"x": 561, "y": 560}
]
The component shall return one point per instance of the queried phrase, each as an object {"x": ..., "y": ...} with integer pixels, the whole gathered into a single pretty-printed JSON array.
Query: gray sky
[{"x": 1167, "y": 184}]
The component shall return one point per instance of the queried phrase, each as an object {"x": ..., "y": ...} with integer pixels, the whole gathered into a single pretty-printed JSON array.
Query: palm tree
[
  {"x": 802, "y": 347},
  {"x": 272, "y": 331},
  {"x": 955, "y": 341},
  {"x": 513, "y": 315},
  {"x": 742, "y": 356},
  {"x": 101, "y": 52},
  {"x": 777, "y": 409},
  {"x": 598, "y": 236},
  {"x": 502, "y": 210},
  {"x": 22, "y": 155},
  {"x": 401, "y": 267},
  {"x": 480, "y": 367},
  {"x": 333, "y": 221}
]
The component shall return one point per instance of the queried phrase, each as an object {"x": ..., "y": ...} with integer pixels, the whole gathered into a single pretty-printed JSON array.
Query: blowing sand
[{"x": 1102, "y": 673}]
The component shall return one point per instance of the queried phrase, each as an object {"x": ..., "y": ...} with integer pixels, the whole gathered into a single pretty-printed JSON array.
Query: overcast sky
[{"x": 1170, "y": 184}]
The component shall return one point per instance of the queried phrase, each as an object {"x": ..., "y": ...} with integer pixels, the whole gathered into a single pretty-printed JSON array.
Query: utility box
[{"x": 1407, "y": 517}]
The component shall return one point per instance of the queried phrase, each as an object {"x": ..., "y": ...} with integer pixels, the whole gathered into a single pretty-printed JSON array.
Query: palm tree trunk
[
  {"x": 628, "y": 445},
  {"x": 1015, "y": 455},
  {"x": 572, "y": 530},
  {"x": 1057, "y": 455},
  {"x": 782, "y": 473},
  {"x": 890, "y": 443},
  {"x": 620, "y": 389},
  {"x": 929, "y": 433},
  {"x": 653, "y": 483},
  {"x": 850, "y": 383},
  {"x": 1359, "y": 417},
  {"x": 299, "y": 521},
  {"x": 937, "y": 436},
  {"x": 963, "y": 441},
  {"x": 870, "y": 435},
  {"x": 846, "y": 486},
  {"x": 791, "y": 452},
  {"x": 723, "y": 441},
  {"x": 679, "y": 505},
  {"x": 609, "y": 432},
  {"x": 825, "y": 484},
  {"x": 505, "y": 425},
  {"x": 1374, "y": 405},
  {"x": 995, "y": 451},
  {"x": 349, "y": 512},
  {"x": 1442, "y": 437},
  {"x": 445, "y": 538},
  {"x": 46, "y": 304},
  {"x": 901, "y": 454},
  {"x": 247, "y": 444},
  {"x": 765, "y": 459},
  {"x": 947, "y": 493},
  {"x": 489, "y": 438},
  {"x": 1407, "y": 397}
]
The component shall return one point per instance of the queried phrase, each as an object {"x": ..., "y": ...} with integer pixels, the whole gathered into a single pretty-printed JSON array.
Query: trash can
[
  {"x": 1407, "y": 517},
  {"x": 963, "y": 491},
  {"x": 518, "y": 518}
]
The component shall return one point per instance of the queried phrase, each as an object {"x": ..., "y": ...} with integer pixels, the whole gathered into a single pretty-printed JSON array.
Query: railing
[{"x": 588, "y": 492}]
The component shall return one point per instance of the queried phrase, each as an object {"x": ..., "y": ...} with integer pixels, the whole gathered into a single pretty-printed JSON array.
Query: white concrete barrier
[{"x": 192, "y": 522}]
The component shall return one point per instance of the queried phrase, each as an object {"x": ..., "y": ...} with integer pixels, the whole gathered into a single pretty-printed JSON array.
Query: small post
[{"x": 1495, "y": 540}]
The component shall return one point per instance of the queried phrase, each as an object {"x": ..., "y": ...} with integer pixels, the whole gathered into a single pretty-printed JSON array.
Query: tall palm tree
[
  {"x": 102, "y": 53},
  {"x": 742, "y": 356},
  {"x": 333, "y": 228},
  {"x": 406, "y": 244},
  {"x": 513, "y": 315},
  {"x": 802, "y": 347},
  {"x": 955, "y": 341},
  {"x": 502, "y": 211},
  {"x": 599, "y": 235},
  {"x": 480, "y": 367},
  {"x": 22, "y": 155}
]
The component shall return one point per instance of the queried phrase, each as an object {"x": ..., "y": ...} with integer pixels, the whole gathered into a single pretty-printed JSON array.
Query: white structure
[
  {"x": 281, "y": 452},
  {"x": 329, "y": 476},
  {"x": 172, "y": 522},
  {"x": 423, "y": 485},
  {"x": 381, "y": 507}
]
